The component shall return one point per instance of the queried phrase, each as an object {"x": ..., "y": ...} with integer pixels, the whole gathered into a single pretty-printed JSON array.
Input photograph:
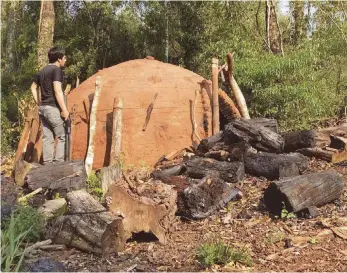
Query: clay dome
[{"x": 136, "y": 82}]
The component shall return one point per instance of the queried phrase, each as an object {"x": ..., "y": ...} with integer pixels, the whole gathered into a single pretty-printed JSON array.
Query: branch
[
  {"x": 279, "y": 29},
  {"x": 332, "y": 19}
]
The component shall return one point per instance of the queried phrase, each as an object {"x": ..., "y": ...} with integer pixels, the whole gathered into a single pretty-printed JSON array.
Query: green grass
[
  {"x": 219, "y": 253},
  {"x": 12, "y": 254},
  {"x": 25, "y": 218}
]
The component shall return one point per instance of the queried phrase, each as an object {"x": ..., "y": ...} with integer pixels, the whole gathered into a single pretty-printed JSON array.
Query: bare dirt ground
[{"x": 244, "y": 224}]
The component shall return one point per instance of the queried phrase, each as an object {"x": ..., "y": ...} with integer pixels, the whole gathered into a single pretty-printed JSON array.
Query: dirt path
[{"x": 243, "y": 223}]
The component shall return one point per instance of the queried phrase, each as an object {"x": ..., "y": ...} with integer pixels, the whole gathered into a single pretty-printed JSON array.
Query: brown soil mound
[{"x": 136, "y": 82}]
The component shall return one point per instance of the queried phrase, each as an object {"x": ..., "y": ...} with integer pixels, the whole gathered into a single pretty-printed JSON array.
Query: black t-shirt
[{"x": 45, "y": 79}]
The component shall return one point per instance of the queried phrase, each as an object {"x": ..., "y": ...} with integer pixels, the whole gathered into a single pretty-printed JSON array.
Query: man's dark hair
[{"x": 55, "y": 53}]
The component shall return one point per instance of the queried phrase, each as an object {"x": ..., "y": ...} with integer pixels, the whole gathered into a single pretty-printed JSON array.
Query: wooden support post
[
  {"x": 113, "y": 172},
  {"x": 215, "y": 103},
  {"x": 116, "y": 132},
  {"x": 92, "y": 127},
  {"x": 73, "y": 122}
]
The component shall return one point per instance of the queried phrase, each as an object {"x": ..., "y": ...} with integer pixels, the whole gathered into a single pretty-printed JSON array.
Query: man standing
[{"x": 52, "y": 108}]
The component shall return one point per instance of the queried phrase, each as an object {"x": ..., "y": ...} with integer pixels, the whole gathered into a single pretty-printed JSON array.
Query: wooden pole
[
  {"x": 215, "y": 104},
  {"x": 92, "y": 126},
  {"x": 116, "y": 132},
  {"x": 114, "y": 171}
]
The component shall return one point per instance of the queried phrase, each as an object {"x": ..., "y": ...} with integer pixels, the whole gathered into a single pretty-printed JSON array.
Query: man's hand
[{"x": 65, "y": 115}]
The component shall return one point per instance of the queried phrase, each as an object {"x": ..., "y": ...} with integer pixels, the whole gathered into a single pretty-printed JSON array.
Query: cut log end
[{"x": 304, "y": 191}]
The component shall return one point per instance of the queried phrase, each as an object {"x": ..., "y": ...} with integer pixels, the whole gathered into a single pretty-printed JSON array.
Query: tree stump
[
  {"x": 231, "y": 172},
  {"x": 304, "y": 191},
  {"x": 257, "y": 136},
  {"x": 151, "y": 207},
  {"x": 88, "y": 226},
  {"x": 272, "y": 165}
]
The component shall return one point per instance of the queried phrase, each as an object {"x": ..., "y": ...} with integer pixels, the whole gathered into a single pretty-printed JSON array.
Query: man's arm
[
  {"x": 60, "y": 98},
  {"x": 35, "y": 91}
]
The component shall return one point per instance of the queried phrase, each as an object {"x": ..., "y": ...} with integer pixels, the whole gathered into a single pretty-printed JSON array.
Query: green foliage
[
  {"x": 285, "y": 214},
  {"x": 292, "y": 89},
  {"x": 94, "y": 184},
  {"x": 219, "y": 253},
  {"x": 25, "y": 218},
  {"x": 12, "y": 253}
]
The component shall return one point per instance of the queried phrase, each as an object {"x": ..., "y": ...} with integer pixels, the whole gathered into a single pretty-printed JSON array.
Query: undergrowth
[
  {"x": 25, "y": 218},
  {"x": 94, "y": 184},
  {"x": 219, "y": 253},
  {"x": 24, "y": 225}
]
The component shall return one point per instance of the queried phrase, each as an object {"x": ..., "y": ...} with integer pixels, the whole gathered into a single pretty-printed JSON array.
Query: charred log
[
  {"x": 304, "y": 191},
  {"x": 274, "y": 166},
  {"x": 257, "y": 136},
  {"x": 298, "y": 140},
  {"x": 207, "y": 167}
]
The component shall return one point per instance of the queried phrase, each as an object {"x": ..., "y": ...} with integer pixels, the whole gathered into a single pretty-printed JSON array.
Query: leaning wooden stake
[
  {"x": 33, "y": 151},
  {"x": 23, "y": 142},
  {"x": 236, "y": 89},
  {"x": 192, "y": 117},
  {"x": 92, "y": 127},
  {"x": 113, "y": 172},
  {"x": 215, "y": 104}
]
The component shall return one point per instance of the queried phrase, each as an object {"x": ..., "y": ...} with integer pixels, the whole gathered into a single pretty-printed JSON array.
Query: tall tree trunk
[
  {"x": 13, "y": 17},
  {"x": 299, "y": 24},
  {"x": 46, "y": 31},
  {"x": 273, "y": 32},
  {"x": 166, "y": 32}
]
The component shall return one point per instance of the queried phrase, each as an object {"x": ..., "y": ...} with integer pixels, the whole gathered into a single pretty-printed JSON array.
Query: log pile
[{"x": 208, "y": 180}]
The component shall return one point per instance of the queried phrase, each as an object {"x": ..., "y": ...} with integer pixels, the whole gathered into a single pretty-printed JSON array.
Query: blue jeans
[{"x": 53, "y": 126}]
